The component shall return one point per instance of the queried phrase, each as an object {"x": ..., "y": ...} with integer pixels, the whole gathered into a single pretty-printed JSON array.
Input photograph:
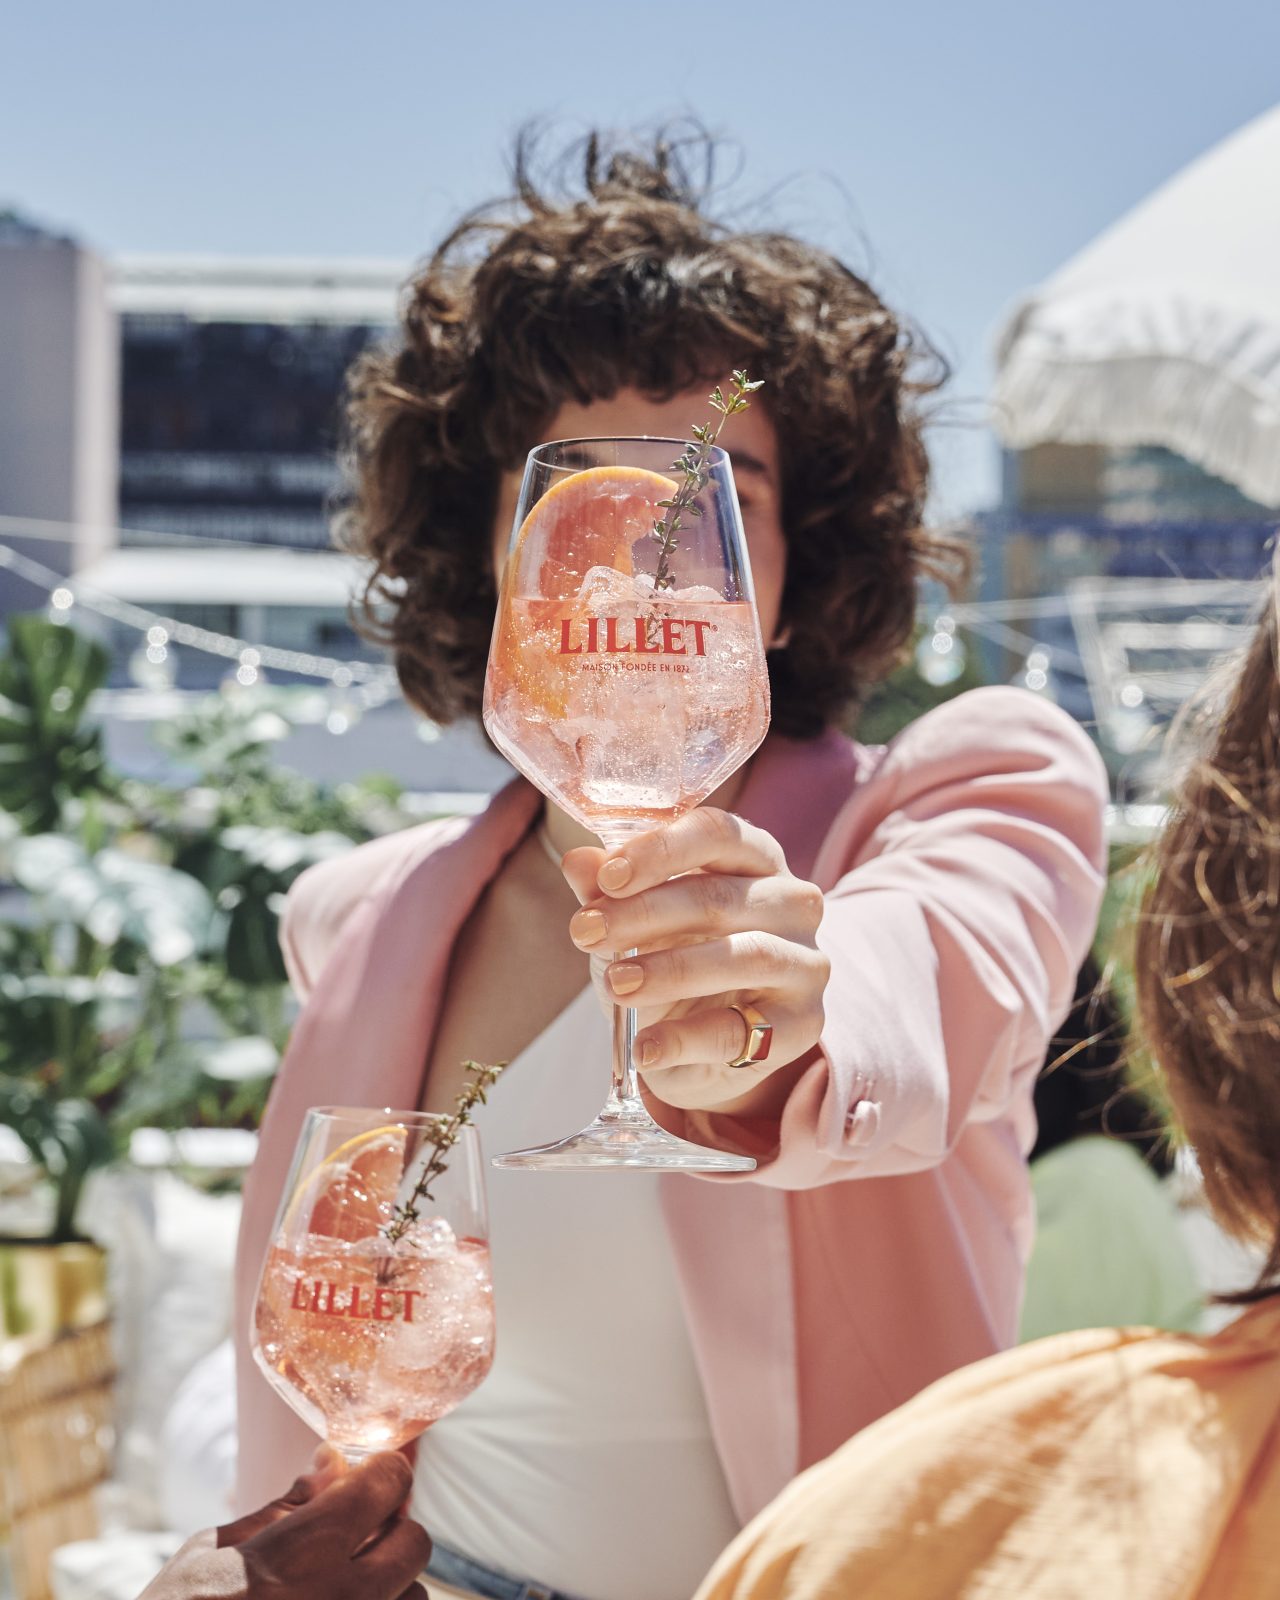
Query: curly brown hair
[
  {"x": 1207, "y": 956},
  {"x": 627, "y": 281}
]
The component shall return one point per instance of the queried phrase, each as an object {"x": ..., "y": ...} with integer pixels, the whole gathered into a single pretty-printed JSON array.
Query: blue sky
[{"x": 960, "y": 152}]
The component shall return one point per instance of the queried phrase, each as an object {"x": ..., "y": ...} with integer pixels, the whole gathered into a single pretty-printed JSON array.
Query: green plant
[
  {"x": 47, "y": 753},
  {"x": 67, "y": 1139},
  {"x": 140, "y": 976},
  {"x": 692, "y": 465}
]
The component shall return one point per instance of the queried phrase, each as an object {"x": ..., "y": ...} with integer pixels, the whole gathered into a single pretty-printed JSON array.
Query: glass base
[{"x": 627, "y": 1137}]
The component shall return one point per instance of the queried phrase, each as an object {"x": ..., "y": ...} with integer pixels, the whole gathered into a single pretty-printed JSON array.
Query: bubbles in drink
[{"x": 627, "y": 701}]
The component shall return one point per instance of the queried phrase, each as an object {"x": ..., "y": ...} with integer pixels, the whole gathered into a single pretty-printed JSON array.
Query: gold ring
[{"x": 759, "y": 1037}]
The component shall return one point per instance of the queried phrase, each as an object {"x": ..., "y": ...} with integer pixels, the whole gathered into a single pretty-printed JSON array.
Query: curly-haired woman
[{"x": 910, "y": 921}]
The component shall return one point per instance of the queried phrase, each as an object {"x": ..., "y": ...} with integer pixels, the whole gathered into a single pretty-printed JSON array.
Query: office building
[{"x": 231, "y": 374}]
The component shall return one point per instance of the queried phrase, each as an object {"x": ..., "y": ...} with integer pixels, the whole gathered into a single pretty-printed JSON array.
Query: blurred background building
[
  {"x": 230, "y": 373},
  {"x": 1137, "y": 398},
  {"x": 169, "y": 435},
  {"x": 59, "y": 400}
]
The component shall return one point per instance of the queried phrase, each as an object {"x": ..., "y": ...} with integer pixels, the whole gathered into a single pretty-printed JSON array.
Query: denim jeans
[{"x": 463, "y": 1573}]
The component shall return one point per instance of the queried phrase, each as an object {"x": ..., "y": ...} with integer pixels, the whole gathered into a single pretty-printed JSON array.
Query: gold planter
[{"x": 48, "y": 1289}]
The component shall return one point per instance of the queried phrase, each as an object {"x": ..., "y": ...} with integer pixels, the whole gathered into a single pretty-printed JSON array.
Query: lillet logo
[
  {"x": 642, "y": 636},
  {"x": 324, "y": 1299}
]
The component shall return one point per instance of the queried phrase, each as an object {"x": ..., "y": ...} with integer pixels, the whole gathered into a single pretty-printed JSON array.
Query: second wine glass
[{"x": 374, "y": 1314}]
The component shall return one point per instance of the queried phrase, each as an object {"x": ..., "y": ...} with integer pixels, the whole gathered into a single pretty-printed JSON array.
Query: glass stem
[{"x": 625, "y": 1092}]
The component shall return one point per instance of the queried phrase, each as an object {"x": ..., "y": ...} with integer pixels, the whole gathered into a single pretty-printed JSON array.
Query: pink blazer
[{"x": 882, "y": 1239}]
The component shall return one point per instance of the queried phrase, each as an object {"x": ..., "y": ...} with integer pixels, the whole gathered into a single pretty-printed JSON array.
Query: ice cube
[
  {"x": 696, "y": 594},
  {"x": 606, "y": 586},
  {"x": 431, "y": 1237}
]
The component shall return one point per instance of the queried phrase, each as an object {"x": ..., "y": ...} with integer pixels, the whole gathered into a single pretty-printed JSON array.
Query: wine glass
[
  {"x": 627, "y": 681},
  {"x": 374, "y": 1314}
]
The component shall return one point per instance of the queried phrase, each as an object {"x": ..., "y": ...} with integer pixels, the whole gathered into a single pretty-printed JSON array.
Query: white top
[{"x": 585, "y": 1460}]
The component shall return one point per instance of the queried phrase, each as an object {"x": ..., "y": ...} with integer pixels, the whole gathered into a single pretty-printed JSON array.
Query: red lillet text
[
  {"x": 678, "y": 636},
  {"x": 338, "y": 1300}
]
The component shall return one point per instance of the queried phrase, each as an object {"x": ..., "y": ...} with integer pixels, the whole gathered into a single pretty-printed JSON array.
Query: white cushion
[
  {"x": 198, "y": 1445},
  {"x": 116, "y": 1568},
  {"x": 171, "y": 1251}
]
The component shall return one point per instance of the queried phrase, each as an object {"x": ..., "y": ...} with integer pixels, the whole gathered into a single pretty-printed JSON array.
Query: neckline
[{"x": 556, "y": 1021}]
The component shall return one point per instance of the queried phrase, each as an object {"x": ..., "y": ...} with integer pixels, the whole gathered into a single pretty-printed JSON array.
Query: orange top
[{"x": 1123, "y": 1464}]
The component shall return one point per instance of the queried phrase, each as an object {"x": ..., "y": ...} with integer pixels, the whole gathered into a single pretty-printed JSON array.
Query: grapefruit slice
[
  {"x": 592, "y": 518},
  {"x": 351, "y": 1193},
  {"x": 589, "y": 519}
]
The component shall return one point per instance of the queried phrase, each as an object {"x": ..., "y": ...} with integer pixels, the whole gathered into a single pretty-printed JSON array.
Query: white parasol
[{"x": 1166, "y": 329}]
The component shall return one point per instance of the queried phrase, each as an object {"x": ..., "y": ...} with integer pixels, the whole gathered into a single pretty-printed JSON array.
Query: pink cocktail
[
  {"x": 627, "y": 680},
  {"x": 632, "y": 705},
  {"x": 373, "y": 1326}
]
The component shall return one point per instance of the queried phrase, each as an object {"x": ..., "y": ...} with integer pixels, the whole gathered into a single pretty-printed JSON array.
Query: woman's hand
[
  {"x": 336, "y": 1535},
  {"x": 717, "y": 918}
]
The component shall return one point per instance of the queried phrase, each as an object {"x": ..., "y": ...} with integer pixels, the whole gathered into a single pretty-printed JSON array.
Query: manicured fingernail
[
  {"x": 587, "y": 927},
  {"x": 626, "y": 977},
  {"x": 649, "y": 1053},
  {"x": 615, "y": 874}
]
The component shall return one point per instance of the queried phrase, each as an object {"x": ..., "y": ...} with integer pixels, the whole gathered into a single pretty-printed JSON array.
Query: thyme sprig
[
  {"x": 693, "y": 464},
  {"x": 482, "y": 1079}
]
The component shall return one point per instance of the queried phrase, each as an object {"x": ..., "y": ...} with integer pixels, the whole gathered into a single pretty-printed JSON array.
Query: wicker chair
[{"x": 56, "y": 1439}]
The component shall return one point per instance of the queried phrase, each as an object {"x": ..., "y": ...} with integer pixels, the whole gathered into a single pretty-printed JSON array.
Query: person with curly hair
[
  {"x": 910, "y": 920},
  {"x": 1116, "y": 1463}
]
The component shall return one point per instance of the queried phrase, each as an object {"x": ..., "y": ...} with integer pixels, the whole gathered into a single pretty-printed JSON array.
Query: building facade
[
  {"x": 231, "y": 375},
  {"x": 59, "y": 397}
]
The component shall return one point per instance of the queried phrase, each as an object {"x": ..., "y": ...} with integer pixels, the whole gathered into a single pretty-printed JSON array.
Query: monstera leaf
[
  {"x": 114, "y": 897},
  {"x": 224, "y": 733},
  {"x": 66, "y": 1139},
  {"x": 249, "y": 873},
  {"x": 47, "y": 675},
  {"x": 46, "y": 1018}
]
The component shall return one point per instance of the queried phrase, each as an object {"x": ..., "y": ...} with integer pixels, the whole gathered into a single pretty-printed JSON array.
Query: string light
[
  {"x": 343, "y": 716},
  {"x": 153, "y": 667},
  {"x": 940, "y": 658},
  {"x": 162, "y": 633},
  {"x": 1035, "y": 675},
  {"x": 941, "y": 655}
]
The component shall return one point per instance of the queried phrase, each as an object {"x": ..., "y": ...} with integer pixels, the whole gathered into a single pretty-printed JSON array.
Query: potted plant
[
  {"x": 54, "y": 1281},
  {"x": 140, "y": 978}
]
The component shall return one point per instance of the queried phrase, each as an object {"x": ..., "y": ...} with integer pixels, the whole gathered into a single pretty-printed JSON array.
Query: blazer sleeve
[{"x": 964, "y": 882}]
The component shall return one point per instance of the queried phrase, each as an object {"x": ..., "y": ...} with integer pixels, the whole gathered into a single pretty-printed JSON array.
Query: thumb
[{"x": 327, "y": 1467}]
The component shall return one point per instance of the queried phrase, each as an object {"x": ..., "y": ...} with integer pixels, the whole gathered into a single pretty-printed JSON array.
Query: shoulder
[
  {"x": 995, "y": 750},
  {"x": 322, "y": 899},
  {"x": 943, "y": 1461},
  {"x": 999, "y": 729},
  {"x": 999, "y": 761}
]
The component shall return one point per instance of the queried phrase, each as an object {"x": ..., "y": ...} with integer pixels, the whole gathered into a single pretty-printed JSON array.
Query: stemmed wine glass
[
  {"x": 374, "y": 1314},
  {"x": 627, "y": 681}
]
